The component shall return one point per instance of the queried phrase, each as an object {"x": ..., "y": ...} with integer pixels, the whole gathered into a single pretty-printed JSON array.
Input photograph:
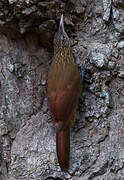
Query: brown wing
[{"x": 63, "y": 92}]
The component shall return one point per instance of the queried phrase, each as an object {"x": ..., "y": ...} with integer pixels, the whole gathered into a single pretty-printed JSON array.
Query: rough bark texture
[{"x": 27, "y": 137}]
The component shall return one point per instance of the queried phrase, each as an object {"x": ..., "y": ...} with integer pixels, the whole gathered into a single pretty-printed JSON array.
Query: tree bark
[{"x": 27, "y": 136}]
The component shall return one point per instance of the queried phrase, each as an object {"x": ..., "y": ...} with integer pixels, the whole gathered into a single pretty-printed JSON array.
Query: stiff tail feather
[{"x": 63, "y": 148}]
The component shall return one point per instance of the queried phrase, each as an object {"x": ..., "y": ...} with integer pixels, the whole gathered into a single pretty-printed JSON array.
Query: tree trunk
[{"x": 27, "y": 136}]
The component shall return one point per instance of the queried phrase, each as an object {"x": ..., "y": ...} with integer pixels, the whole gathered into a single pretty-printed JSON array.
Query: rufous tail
[{"x": 63, "y": 148}]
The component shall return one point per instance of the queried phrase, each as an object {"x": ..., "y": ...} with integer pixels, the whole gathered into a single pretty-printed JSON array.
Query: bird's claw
[{"x": 83, "y": 68}]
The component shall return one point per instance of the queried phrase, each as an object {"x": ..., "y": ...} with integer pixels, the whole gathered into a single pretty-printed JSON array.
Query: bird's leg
[{"x": 83, "y": 68}]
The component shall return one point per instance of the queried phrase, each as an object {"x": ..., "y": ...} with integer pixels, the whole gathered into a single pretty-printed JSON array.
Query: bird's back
[
  {"x": 63, "y": 85},
  {"x": 63, "y": 71}
]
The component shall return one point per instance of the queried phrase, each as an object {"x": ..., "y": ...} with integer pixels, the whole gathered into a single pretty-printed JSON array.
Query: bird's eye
[{"x": 62, "y": 37}]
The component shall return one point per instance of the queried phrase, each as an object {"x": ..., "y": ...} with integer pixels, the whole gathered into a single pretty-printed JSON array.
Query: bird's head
[{"x": 61, "y": 39}]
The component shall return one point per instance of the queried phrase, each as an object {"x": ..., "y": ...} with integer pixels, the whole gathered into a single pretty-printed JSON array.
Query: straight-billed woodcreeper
[{"x": 63, "y": 89}]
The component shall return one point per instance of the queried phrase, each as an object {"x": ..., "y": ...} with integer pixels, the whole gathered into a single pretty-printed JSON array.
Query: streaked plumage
[{"x": 63, "y": 89}]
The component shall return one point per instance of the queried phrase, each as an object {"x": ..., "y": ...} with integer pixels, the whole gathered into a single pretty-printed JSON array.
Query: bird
[{"x": 63, "y": 91}]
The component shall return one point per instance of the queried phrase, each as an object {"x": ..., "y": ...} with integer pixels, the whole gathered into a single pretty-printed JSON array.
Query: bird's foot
[{"x": 83, "y": 68}]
